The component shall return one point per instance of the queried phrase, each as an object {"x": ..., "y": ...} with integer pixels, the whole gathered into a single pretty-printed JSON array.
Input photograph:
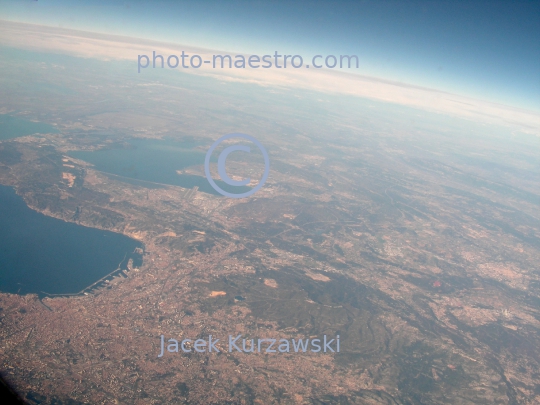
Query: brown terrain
[{"x": 419, "y": 246}]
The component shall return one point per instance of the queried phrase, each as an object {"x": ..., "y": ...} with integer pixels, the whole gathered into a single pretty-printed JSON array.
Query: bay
[
  {"x": 155, "y": 161},
  {"x": 41, "y": 254},
  {"x": 13, "y": 127}
]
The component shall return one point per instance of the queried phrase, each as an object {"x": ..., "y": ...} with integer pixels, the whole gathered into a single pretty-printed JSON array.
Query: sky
[{"x": 483, "y": 49}]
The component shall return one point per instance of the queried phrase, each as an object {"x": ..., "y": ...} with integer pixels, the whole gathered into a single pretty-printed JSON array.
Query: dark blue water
[
  {"x": 13, "y": 127},
  {"x": 156, "y": 161},
  {"x": 43, "y": 254}
]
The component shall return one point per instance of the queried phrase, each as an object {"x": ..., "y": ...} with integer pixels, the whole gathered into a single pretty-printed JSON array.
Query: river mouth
[{"x": 47, "y": 256}]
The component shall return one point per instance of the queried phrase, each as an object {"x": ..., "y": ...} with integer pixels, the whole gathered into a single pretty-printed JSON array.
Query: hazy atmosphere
[{"x": 270, "y": 202}]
